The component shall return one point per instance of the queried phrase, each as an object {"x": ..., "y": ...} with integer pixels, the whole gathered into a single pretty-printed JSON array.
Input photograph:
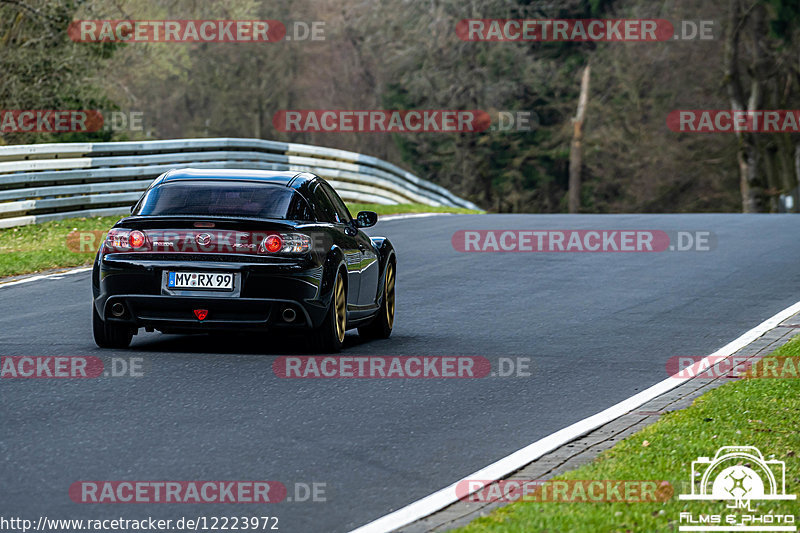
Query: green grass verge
[
  {"x": 749, "y": 412},
  {"x": 37, "y": 247}
]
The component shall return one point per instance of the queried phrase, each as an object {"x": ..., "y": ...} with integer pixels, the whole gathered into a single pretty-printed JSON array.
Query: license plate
[{"x": 200, "y": 280}]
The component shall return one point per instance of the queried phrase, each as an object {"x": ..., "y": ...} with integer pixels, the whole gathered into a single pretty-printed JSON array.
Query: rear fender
[{"x": 334, "y": 261}]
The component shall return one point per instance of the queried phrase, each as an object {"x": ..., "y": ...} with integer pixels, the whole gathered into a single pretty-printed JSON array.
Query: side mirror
[
  {"x": 366, "y": 219},
  {"x": 133, "y": 207}
]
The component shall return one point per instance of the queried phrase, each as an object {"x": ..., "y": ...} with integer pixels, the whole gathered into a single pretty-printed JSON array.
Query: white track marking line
[
  {"x": 54, "y": 275},
  {"x": 499, "y": 469}
]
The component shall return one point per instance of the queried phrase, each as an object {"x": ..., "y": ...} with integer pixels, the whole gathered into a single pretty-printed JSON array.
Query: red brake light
[
  {"x": 123, "y": 240},
  {"x": 136, "y": 239},
  {"x": 273, "y": 243}
]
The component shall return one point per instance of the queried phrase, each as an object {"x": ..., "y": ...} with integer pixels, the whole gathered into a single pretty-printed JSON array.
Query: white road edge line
[
  {"x": 497, "y": 470},
  {"x": 45, "y": 276}
]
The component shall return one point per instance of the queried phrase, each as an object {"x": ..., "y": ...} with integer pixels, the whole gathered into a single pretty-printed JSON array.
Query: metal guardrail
[{"x": 41, "y": 182}]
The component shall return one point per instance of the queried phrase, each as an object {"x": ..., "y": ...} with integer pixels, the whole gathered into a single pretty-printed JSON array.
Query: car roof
[{"x": 289, "y": 178}]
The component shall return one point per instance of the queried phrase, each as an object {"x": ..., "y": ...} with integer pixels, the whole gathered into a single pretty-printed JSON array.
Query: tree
[
  {"x": 43, "y": 69},
  {"x": 576, "y": 149},
  {"x": 761, "y": 72}
]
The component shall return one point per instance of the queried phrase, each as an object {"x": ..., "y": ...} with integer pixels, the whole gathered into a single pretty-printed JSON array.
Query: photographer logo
[{"x": 740, "y": 476}]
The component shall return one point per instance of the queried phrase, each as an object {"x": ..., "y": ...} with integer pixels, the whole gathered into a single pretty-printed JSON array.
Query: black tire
[
  {"x": 110, "y": 335},
  {"x": 329, "y": 336},
  {"x": 381, "y": 326}
]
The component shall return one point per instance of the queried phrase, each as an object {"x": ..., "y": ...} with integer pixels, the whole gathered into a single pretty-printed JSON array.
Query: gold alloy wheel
[
  {"x": 390, "y": 295},
  {"x": 340, "y": 308}
]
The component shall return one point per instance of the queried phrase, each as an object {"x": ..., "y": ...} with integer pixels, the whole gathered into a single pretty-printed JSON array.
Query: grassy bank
[
  {"x": 749, "y": 412},
  {"x": 38, "y": 247}
]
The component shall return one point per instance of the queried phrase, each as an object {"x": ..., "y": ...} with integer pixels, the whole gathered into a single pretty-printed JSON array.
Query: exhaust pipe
[
  {"x": 288, "y": 314},
  {"x": 118, "y": 309}
]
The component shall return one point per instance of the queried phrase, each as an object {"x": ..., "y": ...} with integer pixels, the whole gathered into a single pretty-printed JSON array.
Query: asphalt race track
[{"x": 597, "y": 327}]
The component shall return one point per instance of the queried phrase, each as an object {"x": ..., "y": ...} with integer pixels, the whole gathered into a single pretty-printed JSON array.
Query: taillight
[
  {"x": 117, "y": 239},
  {"x": 273, "y": 243},
  {"x": 286, "y": 243},
  {"x": 136, "y": 239},
  {"x": 124, "y": 240}
]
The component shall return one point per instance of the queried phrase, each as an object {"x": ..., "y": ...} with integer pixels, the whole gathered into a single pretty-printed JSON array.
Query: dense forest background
[{"x": 403, "y": 54}]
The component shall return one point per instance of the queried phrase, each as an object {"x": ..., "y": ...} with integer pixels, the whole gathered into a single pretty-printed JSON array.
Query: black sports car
[{"x": 217, "y": 250}]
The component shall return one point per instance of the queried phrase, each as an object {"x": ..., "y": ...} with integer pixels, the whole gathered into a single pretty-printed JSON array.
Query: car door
[
  {"x": 370, "y": 270},
  {"x": 368, "y": 263},
  {"x": 326, "y": 213}
]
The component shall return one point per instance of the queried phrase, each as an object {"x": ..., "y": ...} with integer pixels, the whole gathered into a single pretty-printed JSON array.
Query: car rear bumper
[
  {"x": 261, "y": 294},
  {"x": 176, "y": 313}
]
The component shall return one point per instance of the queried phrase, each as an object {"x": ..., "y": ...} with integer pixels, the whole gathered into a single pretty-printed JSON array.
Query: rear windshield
[{"x": 223, "y": 199}]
